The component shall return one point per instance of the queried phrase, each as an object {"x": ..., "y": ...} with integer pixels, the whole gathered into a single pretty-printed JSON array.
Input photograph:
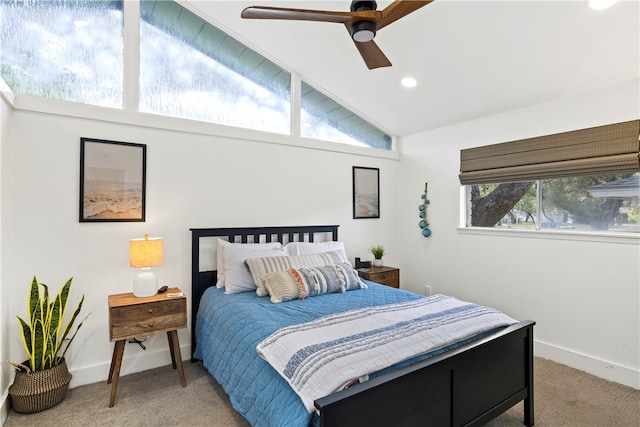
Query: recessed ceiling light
[
  {"x": 409, "y": 82},
  {"x": 601, "y": 4}
]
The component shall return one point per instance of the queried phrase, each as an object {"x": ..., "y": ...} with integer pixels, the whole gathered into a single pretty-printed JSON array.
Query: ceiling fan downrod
[{"x": 363, "y": 31}]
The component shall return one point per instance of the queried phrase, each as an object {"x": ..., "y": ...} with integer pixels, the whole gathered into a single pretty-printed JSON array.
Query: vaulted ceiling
[{"x": 470, "y": 58}]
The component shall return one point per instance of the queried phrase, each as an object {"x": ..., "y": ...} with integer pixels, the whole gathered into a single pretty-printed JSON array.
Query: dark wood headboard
[{"x": 201, "y": 280}]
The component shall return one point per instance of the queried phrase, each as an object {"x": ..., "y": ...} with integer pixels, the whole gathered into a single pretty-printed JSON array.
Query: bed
[{"x": 465, "y": 383}]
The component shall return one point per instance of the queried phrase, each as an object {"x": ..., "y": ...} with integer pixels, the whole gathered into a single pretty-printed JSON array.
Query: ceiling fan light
[{"x": 363, "y": 31}]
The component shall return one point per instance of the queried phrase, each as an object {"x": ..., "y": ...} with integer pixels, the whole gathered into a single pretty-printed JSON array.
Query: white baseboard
[
  {"x": 137, "y": 361},
  {"x": 598, "y": 367}
]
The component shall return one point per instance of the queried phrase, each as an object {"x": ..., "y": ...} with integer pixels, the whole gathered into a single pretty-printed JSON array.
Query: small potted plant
[
  {"x": 43, "y": 379},
  {"x": 377, "y": 252}
]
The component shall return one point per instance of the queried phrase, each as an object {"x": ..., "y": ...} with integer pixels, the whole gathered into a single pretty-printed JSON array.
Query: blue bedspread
[{"x": 229, "y": 327}]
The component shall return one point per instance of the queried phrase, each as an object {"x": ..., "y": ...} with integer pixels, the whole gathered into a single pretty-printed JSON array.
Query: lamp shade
[{"x": 145, "y": 252}]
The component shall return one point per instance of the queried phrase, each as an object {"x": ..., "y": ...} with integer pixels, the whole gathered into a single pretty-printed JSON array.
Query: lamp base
[{"x": 145, "y": 284}]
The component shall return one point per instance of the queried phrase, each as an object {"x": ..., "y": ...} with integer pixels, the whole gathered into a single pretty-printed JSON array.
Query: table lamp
[{"x": 144, "y": 254}]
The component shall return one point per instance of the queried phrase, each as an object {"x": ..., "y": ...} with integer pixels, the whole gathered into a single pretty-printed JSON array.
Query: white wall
[
  {"x": 582, "y": 292},
  {"x": 5, "y": 370},
  {"x": 194, "y": 179}
]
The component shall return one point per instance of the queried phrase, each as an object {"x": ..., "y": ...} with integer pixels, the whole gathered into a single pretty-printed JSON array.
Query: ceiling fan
[{"x": 362, "y": 22}]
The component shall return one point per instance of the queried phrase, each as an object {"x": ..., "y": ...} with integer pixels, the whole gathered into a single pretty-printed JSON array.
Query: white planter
[{"x": 377, "y": 262}]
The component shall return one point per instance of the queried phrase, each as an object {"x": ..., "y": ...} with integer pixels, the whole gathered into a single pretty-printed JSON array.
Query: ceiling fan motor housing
[
  {"x": 357, "y": 6},
  {"x": 363, "y": 31}
]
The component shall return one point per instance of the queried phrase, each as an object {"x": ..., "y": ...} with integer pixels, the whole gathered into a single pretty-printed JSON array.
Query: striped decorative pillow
[
  {"x": 300, "y": 283},
  {"x": 261, "y": 266},
  {"x": 328, "y": 279},
  {"x": 282, "y": 285}
]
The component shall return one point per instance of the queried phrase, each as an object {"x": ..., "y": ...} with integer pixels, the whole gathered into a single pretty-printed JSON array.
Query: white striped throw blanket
[{"x": 319, "y": 357}]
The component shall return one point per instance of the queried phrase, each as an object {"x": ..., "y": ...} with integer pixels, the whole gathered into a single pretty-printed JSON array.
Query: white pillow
[
  {"x": 254, "y": 249},
  {"x": 305, "y": 248}
]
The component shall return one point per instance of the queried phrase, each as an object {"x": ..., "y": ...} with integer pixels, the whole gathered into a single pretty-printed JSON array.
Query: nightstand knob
[{"x": 150, "y": 310}]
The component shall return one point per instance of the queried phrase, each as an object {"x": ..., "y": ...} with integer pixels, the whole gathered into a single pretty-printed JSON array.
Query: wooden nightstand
[
  {"x": 389, "y": 276},
  {"x": 131, "y": 316}
]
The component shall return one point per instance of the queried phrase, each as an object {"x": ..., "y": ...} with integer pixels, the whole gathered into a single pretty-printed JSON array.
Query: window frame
[
  {"x": 36, "y": 104},
  {"x": 538, "y": 232}
]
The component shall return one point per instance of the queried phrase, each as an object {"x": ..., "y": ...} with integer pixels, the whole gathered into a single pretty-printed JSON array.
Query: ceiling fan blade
[
  {"x": 370, "y": 52},
  {"x": 399, "y": 9},
  {"x": 372, "y": 55},
  {"x": 264, "y": 12}
]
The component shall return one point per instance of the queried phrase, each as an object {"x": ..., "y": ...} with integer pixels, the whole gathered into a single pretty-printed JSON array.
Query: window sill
[
  {"x": 603, "y": 237},
  {"x": 36, "y": 104}
]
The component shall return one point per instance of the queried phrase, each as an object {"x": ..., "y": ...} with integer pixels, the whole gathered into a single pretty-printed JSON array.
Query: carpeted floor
[{"x": 564, "y": 397}]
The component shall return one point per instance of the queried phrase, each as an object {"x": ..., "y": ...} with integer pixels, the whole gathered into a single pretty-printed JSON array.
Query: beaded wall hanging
[{"x": 424, "y": 224}]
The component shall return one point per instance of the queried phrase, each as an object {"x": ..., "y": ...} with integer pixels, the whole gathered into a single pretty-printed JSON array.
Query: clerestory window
[
  {"x": 74, "y": 51},
  {"x": 323, "y": 118},
  {"x": 191, "y": 69},
  {"x": 67, "y": 50}
]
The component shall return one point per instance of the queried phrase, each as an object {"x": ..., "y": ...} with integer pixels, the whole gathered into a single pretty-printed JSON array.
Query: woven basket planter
[{"x": 36, "y": 391}]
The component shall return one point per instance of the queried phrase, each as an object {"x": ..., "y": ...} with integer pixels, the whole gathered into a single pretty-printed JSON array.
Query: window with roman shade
[
  {"x": 584, "y": 180},
  {"x": 599, "y": 150}
]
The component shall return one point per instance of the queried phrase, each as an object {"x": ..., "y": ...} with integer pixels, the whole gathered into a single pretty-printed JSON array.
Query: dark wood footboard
[{"x": 469, "y": 385}]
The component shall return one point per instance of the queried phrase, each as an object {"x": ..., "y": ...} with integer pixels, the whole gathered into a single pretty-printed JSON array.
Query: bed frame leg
[
  {"x": 528, "y": 412},
  {"x": 528, "y": 401}
]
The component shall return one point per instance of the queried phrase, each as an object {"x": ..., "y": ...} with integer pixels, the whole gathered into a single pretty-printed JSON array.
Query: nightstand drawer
[
  {"x": 152, "y": 317},
  {"x": 389, "y": 278}
]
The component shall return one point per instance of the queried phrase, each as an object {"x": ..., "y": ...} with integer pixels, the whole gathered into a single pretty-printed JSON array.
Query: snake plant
[{"x": 43, "y": 335}]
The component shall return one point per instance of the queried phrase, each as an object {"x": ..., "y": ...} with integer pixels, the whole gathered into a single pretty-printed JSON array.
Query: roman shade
[{"x": 599, "y": 150}]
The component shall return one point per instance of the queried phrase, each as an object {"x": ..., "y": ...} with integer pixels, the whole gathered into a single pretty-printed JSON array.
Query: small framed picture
[
  {"x": 366, "y": 192},
  {"x": 112, "y": 181}
]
